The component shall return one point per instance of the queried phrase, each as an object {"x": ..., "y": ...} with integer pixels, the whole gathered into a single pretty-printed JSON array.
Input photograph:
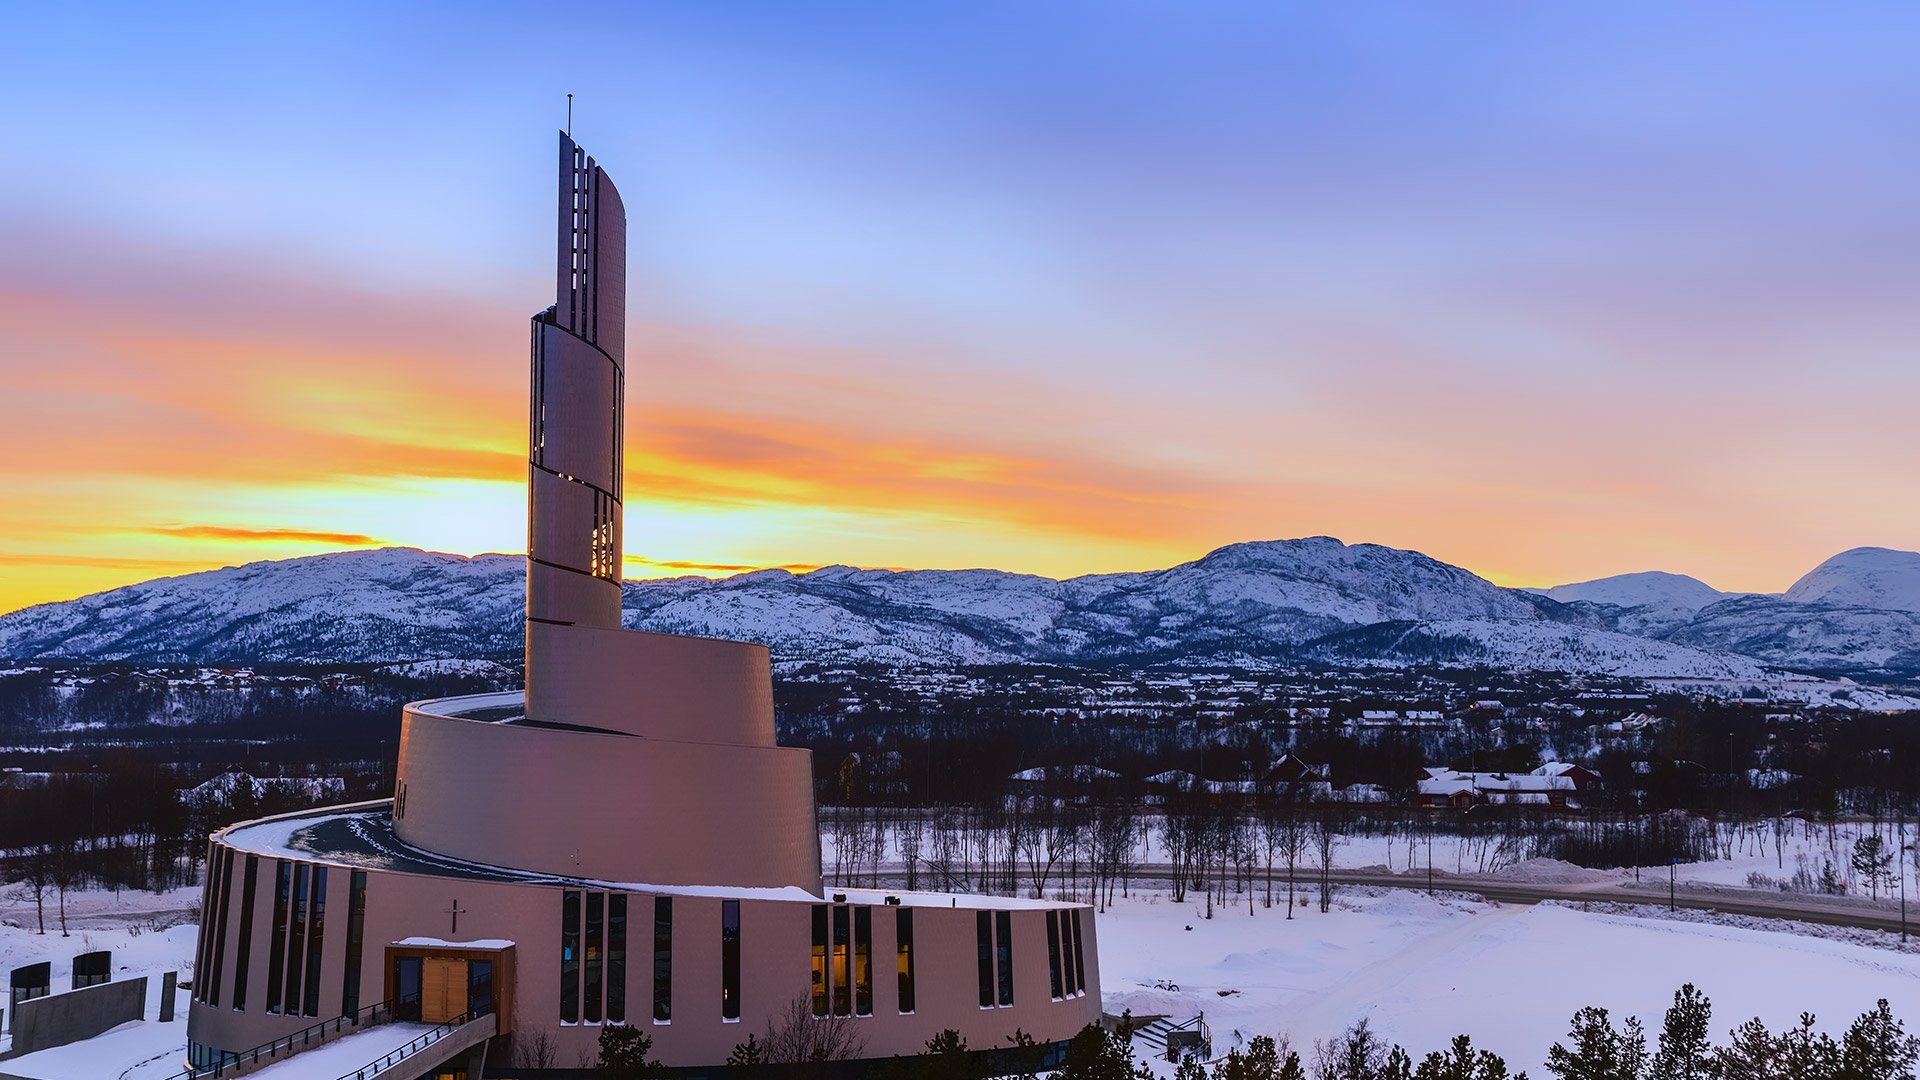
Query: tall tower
[{"x": 576, "y": 425}]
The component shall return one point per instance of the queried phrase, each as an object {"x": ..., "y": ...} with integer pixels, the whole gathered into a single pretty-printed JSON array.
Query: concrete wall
[{"x": 59, "y": 1019}]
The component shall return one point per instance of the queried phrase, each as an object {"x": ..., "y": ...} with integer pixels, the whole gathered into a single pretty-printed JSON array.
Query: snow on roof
[{"x": 486, "y": 944}]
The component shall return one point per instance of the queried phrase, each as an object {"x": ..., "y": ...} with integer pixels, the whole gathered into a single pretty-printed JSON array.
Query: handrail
[
  {"x": 303, "y": 1038},
  {"x": 424, "y": 1040}
]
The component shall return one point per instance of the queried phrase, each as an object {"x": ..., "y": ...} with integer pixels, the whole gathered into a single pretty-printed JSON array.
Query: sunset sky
[{"x": 1546, "y": 291}]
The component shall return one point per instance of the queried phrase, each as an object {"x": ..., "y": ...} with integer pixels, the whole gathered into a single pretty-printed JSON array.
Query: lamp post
[{"x": 1673, "y": 864}]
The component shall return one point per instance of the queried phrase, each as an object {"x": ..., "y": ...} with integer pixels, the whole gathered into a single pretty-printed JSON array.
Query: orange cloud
[{"x": 230, "y": 532}]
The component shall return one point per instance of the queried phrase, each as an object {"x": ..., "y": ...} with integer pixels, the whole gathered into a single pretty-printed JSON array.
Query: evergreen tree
[
  {"x": 1877, "y": 1047},
  {"x": 1461, "y": 1062},
  {"x": 1686, "y": 1048},
  {"x": 1096, "y": 1054},
  {"x": 748, "y": 1053},
  {"x": 1599, "y": 1052},
  {"x": 624, "y": 1054},
  {"x": 1872, "y": 861}
]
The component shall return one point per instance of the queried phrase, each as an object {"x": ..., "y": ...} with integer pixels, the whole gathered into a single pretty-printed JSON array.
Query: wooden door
[{"x": 443, "y": 990}]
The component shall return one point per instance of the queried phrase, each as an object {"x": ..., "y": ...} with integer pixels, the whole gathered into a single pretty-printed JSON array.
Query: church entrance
[{"x": 444, "y": 981}]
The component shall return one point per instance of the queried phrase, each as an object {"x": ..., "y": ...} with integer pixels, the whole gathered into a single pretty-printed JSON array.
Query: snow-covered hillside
[
  {"x": 1651, "y": 588},
  {"x": 1259, "y": 600},
  {"x": 1867, "y": 577}
]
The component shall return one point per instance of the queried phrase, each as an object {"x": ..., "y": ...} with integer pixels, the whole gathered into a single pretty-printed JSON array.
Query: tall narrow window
[
  {"x": 1003, "y": 922},
  {"x": 277, "y": 945},
  {"x": 842, "y": 978},
  {"x": 244, "y": 945},
  {"x": 316, "y": 938},
  {"x": 596, "y": 920},
  {"x": 1079, "y": 956},
  {"x": 662, "y": 959},
  {"x": 225, "y": 888},
  {"x": 819, "y": 977},
  {"x": 203, "y": 948},
  {"x": 617, "y": 958},
  {"x": 296, "y": 940},
  {"x": 863, "y": 961},
  {"x": 983, "y": 934},
  {"x": 903, "y": 955},
  {"x": 1066, "y": 955},
  {"x": 729, "y": 959},
  {"x": 1053, "y": 956},
  {"x": 569, "y": 957},
  {"x": 356, "y": 941}
]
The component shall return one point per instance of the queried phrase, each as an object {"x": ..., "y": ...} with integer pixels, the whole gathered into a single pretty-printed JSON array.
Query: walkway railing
[
  {"x": 232, "y": 1064},
  {"x": 426, "y": 1039}
]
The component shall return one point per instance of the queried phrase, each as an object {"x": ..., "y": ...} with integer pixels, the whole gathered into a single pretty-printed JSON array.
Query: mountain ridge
[{"x": 1307, "y": 598}]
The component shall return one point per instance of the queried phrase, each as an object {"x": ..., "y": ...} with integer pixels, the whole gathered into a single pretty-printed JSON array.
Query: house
[
  {"x": 1444, "y": 788},
  {"x": 1584, "y": 779}
]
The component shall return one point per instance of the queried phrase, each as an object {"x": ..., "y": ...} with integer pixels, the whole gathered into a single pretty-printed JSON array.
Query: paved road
[{"x": 1830, "y": 911}]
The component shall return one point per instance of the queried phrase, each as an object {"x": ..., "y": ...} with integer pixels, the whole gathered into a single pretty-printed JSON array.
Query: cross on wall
[{"x": 455, "y": 910}]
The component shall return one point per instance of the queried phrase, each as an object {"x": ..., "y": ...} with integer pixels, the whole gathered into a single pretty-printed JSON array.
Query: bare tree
[
  {"x": 797, "y": 1037},
  {"x": 1325, "y": 838}
]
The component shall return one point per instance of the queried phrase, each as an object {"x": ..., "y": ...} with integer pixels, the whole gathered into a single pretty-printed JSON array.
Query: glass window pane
[
  {"x": 842, "y": 980},
  {"x": 662, "y": 959},
  {"x": 863, "y": 961},
  {"x": 243, "y": 954},
  {"x": 819, "y": 975},
  {"x": 903, "y": 948},
  {"x": 316, "y": 938},
  {"x": 1003, "y": 921},
  {"x": 730, "y": 959},
  {"x": 1053, "y": 955},
  {"x": 617, "y": 958},
  {"x": 570, "y": 957},
  {"x": 277, "y": 946},
  {"x": 983, "y": 932},
  {"x": 590, "y": 990},
  {"x": 296, "y": 940}
]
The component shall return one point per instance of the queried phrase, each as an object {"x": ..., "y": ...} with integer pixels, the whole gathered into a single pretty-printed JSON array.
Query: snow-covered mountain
[
  {"x": 1314, "y": 597},
  {"x": 1866, "y": 577},
  {"x": 1651, "y": 588}
]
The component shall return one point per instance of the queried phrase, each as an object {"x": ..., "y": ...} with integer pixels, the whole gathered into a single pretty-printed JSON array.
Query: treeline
[{"x": 1876, "y": 1046}]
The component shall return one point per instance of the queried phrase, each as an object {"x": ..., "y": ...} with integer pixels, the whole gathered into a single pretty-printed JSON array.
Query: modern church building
[{"x": 622, "y": 843}]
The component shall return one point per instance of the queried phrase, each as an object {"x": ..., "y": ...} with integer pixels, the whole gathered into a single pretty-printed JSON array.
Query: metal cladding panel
[
  {"x": 562, "y": 596},
  {"x": 610, "y": 269},
  {"x": 612, "y": 807},
  {"x": 563, "y": 519},
  {"x": 578, "y": 425},
  {"x": 659, "y": 685}
]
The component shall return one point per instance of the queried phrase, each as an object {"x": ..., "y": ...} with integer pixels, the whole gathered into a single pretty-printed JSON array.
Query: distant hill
[{"x": 1313, "y": 598}]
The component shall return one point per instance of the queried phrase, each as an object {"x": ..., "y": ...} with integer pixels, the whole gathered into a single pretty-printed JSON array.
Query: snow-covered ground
[
  {"x": 1425, "y": 969},
  {"x": 140, "y": 1050}
]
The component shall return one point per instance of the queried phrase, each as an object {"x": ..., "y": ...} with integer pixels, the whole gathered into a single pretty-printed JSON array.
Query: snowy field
[
  {"x": 1421, "y": 968},
  {"x": 1425, "y": 969},
  {"x": 134, "y": 926}
]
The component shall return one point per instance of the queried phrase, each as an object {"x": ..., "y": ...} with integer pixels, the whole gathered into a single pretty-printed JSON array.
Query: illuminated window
[
  {"x": 819, "y": 960},
  {"x": 903, "y": 956},
  {"x": 842, "y": 983}
]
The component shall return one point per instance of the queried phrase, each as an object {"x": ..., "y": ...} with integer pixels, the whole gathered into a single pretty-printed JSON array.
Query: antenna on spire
[{"x": 569, "y": 116}]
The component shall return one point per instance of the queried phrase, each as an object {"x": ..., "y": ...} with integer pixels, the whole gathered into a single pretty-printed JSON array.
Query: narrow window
[
  {"x": 842, "y": 982},
  {"x": 1053, "y": 955},
  {"x": 1079, "y": 956},
  {"x": 617, "y": 958},
  {"x": 983, "y": 933},
  {"x": 903, "y": 955},
  {"x": 1066, "y": 955},
  {"x": 356, "y": 940},
  {"x": 819, "y": 978},
  {"x": 407, "y": 976},
  {"x": 1004, "y": 923},
  {"x": 204, "y": 948},
  {"x": 225, "y": 887},
  {"x": 296, "y": 940},
  {"x": 479, "y": 987},
  {"x": 729, "y": 959},
  {"x": 316, "y": 936},
  {"x": 277, "y": 947},
  {"x": 662, "y": 959},
  {"x": 569, "y": 957},
  {"x": 863, "y": 961},
  {"x": 244, "y": 946},
  {"x": 596, "y": 918}
]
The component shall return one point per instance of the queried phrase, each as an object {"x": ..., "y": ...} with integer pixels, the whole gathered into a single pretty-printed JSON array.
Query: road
[{"x": 1829, "y": 911}]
